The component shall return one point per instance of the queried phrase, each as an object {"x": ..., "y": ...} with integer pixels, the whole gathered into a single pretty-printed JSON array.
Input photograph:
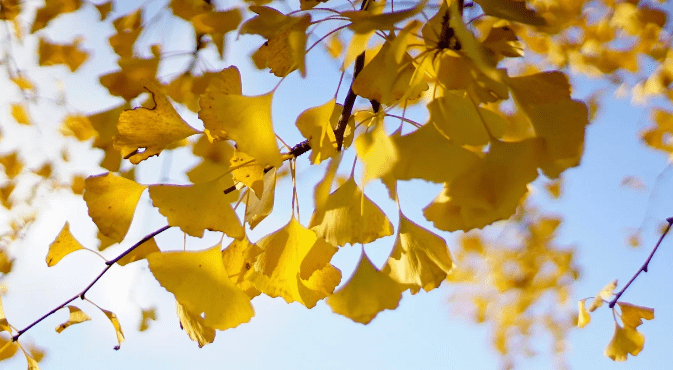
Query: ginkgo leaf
[
  {"x": 238, "y": 258},
  {"x": 51, "y": 10},
  {"x": 368, "y": 292},
  {"x": 104, "y": 9},
  {"x": 365, "y": 21},
  {"x": 130, "y": 81},
  {"x": 63, "y": 245},
  {"x": 10, "y": 9},
  {"x": 201, "y": 283},
  {"x": 150, "y": 129},
  {"x": 22, "y": 82},
  {"x": 316, "y": 124},
  {"x": 187, "y": 9},
  {"x": 4, "y": 325},
  {"x": 68, "y": 54},
  {"x": 256, "y": 209},
  {"x": 625, "y": 341},
  {"x": 32, "y": 363},
  {"x": 289, "y": 259},
  {"x": 559, "y": 120},
  {"x": 8, "y": 347},
  {"x": 245, "y": 119},
  {"x": 141, "y": 252},
  {"x": 286, "y": 50},
  {"x": 12, "y": 164},
  {"x": 604, "y": 294},
  {"x": 632, "y": 316},
  {"x": 194, "y": 326},
  {"x": 377, "y": 151},
  {"x": 420, "y": 258},
  {"x": 146, "y": 316},
  {"x": 116, "y": 325},
  {"x": 112, "y": 201},
  {"x": 199, "y": 207},
  {"x": 248, "y": 172},
  {"x": 488, "y": 192},
  {"x": 78, "y": 126},
  {"x": 76, "y": 316},
  {"x": 20, "y": 114},
  {"x": 349, "y": 217},
  {"x": 217, "y": 24},
  {"x": 503, "y": 41},
  {"x": 584, "y": 318},
  {"x": 128, "y": 29},
  {"x": 512, "y": 10}
]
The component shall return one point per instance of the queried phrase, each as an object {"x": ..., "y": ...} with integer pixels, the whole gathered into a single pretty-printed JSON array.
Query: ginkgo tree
[{"x": 472, "y": 96}]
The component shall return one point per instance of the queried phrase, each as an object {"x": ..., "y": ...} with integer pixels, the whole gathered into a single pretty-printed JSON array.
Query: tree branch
[
  {"x": 83, "y": 292},
  {"x": 643, "y": 268}
]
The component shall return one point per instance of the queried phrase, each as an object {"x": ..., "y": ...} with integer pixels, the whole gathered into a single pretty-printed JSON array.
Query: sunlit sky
[{"x": 599, "y": 214}]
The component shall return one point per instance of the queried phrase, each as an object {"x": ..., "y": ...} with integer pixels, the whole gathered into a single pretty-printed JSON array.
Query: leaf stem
[
  {"x": 82, "y": 294},
  {"x": 643, "y": 268}
]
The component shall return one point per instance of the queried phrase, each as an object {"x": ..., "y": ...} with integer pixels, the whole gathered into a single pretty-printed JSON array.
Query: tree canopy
[{"x": 170, "y": 111}]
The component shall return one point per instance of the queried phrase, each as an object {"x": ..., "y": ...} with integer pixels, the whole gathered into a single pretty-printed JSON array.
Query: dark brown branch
[
  {"x": 643, "y": 268},
  {"x": 83, "y": 292}
]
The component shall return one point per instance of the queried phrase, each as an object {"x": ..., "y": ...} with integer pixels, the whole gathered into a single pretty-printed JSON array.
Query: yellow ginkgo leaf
[
  {"x": 22, "y": 82},
  {"x": 128, "y": 29},
  {"x": 63, "y": 245},
  {"x": 583, "y": 318},
  {"x": 369, "y": 20},
  {"x": 68, "y": 54},
  {"x": 117, "y": 326},
  {"x": 199, "y": 207},
  {"x": 187, "y": 9},
  {"x": 78, "y": 126},
  {"x": 238, "y": 258},
  {"x": 12, "y": 164},
  {"x": 245, "y": 119},
  {"x": 20, "y": 114},
  {"x": 604, "y": 294},
  {"x": 286, "y": 50},
  {"x": 4, "y": 325},
  {"x": 267, "y": 23},
  {"x": 368, "y": 292},
  {"x": 556, "y": 118},
  {"x": 256, "y": 209},
  {"x": 248, "y": 172},
  {"x": 104, "y": 9},
  {"x": 32, "y": 363},
  {"x": 112, "y": 201},
  {"x": 625, "y": 341},
  {"x": 420, "y": 258},
  {"x": 8, "y": 347},
  {"x": 316, "y": 124},
  {"x": 76, "y": 316},
  {"x": 632, "y": 316},
  {"x": 201, "y": 283},
  {"x": 130, "y": 81},
  {"x": 150, "y": 129},
  {"x": 289, "y": 258},
  {"x": 194, "y": 326},
  {"x": 217, "y": 24},
  {"x": 349, "y": 217},
  {"x": 51, "y": 10},
  {"x": 146, "y": 316},
  {"x": 141, "y": 252},
  {"x": 377, "y": 151},
  {"x": 512, "y": 10}
]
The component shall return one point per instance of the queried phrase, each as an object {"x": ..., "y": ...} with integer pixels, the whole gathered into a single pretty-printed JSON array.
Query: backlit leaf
[
  {"x": 251, "y": 174},
  {"x": 117, "y": 326},
  {"x": 583, "y": 318},
  {"x": 256, "y": 209},
  {"x": 217, "y": 24},
  {"x": 4, "y": 325},
  {"x": 238, "y": 258},
  {"x": 604, "y": 294},
  {"x": 201, "y": 283},
  {"x": 141, "y": 252},
  {"x": 625, "y": 341},
  {"x": 194, "y": 326},
  {"x": 76, "y": 316},
  {"x": 286, "y": 50},
  {"x": 51, "y": 10},
  {"x": 130, "y": 81},
  {"x": 147, "y": 316},
  {"x": 512, "y": 10},
  {"x": 315, "y": 124},
  {"x": 68, "y": 54},
  {"x": 63, "y": 245},
  {"x": 632, "y": 316},
  {"x": 377, "y": 151},
  {"x": 20, "y": 114}
]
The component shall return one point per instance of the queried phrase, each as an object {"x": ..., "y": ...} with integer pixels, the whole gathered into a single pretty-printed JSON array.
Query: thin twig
[
  {"x": 643, "y": 268},
  {"x": 82, "y": 294}
]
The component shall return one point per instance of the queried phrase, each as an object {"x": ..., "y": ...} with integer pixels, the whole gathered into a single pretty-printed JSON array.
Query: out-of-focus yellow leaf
[
  {"x": 289, "y": 263},
  {"x": 104, "y": 9},
  {"x": 632, "y": 316},
  {"x": 217, "y": 24},
  {"x": 512, "y": 10},
  {"x": 130, "y": 81},
  {"x": 12, "y": 164},
  {"x": 32, "y": 363},
  {"x": 251, "y": 174},
  {"x": 112, "y": 201},
  {"x": 63, "y": 245},
  {"x": 141, "y": 252},
  {"x": 150, "y": 129},
  {"x": 199, "y": 207},
  {"x": 201, "y": 283},
  {"x": 20, "y": 114},
  {"x": 78, "y": 126},
  {"x": 147, "y": 316},
  {"x": 316, "y": 124},
  {"x": 604, "y": 294},
  {"x": 420, "y": 258},
  {"x": 377, "y": 151},
  {"x": 187, "y": 9},
  {"x": 349, "y": 217},
  {"x": 51, "y": 10},
  {"x": 245, "y": 119},
  {"x": 21, "y": 81},
  {"x": 68, "y": 54},
  {"x": 128, "y": 29},
  {"x": 368, "y": 292},
  {"x": 625, "y": 341},
  {"x": 76, "y": 316},
  {"x": 8, "y": 347},
  {"x": 369, "y": 20},
  {"x": 117, "y": 326},
  {"x": 502, "y": 40},
  {"x": 194, "y": 326},
  {"x": 256, "y": 209},
  {"x": 285, "y": 51},
  {"x": 238, "y": 258},
  {"x": 9, "y": 10},
  {"x": 584, "y": 318},
  {"x": 4, "y": 325},
  {"x": 554, "y": 188},
  {"x": 334, "y": 46}
]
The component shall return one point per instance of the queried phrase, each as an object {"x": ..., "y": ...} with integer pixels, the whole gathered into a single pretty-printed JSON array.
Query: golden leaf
[
  {"x": 217, "y": 24},
  {"x": 147, "y": 316},
  {"x": 22, "y": 82},
  {"x": 117, "y": 326},
  {"x": 32, "y": 363},
  {"x": 238, "y": 258},
  {"x": 289, "y": 263},
  {"x": 20, "y": 115},
  {"x": 4, "y": 325},
  {"x": 625, "y": 341},
  {"x": 286, "y": 50},
  {"x": 141, "y": 252},
  {"x": 256, "y": 209},
  {"x": 583, "y": 318},
  {"x": 194, "y": 326},
  {"x": 420, "y": 258},
  {"x": 512, "y": 10},
  {"x": 8, "y": 11},
  {"x": 316, "y": 124},
  {"x": 150, "y": 129},
  {"x": 632, "y": 316},
  {"x": 187, "y": 9},
  {"x": 130, "y": 81},
  {"x": 51, "y": 10},
  {"x": 104, "y": 9},
  {"x": 79, "y": 127},
  {"x": 68, "y": 54},
  {"x": 63, "y": 245},
  {"x": 112, "y": 201},
  {"x": 76, "y": 316},
  {"x": 604, "y": 294},
  {"x": 12, "y": 164},
  {"x": 349, "y": 217},
  {"x": 248, "y": 172},
  {"x": 377, "y": 151},
  {"x": 200, "y": 282},
  {"x": 368, "y": 292}
]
